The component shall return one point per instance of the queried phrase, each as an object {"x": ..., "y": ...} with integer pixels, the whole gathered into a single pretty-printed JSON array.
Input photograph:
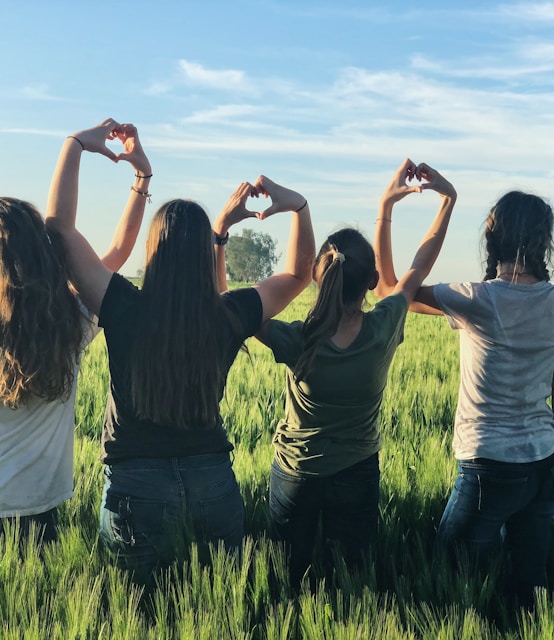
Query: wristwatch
[{"x": 221, "y": 240}]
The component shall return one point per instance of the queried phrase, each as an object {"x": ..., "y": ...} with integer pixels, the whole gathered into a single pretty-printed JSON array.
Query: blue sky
[{"x": 325, "y": 97}]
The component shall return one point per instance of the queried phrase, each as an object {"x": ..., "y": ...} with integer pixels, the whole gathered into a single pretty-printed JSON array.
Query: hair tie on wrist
[
  {"x": 144, "y": 194},
  {"x": 74, "y": 138},
  {"x": 300, "y": 209},
  {"x": 143, "y": 177}
]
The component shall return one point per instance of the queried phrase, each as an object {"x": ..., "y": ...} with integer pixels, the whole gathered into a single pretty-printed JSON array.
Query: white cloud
[
  {"x": 36, "y": 92},
  {"x": 529, "y": 11},
  {"x": 225, "y": 79},
  {"x": 224, "y": 113}
]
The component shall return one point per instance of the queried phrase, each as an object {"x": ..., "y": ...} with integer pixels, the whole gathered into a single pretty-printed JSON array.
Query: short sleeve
[
  {"x": 390, "y": 314},
  {"x": 246, "y": 305},
  {"x": 285, "y": 340},
  {"x": 456, "y": 301},
  {"x": 120, "y": 292}
]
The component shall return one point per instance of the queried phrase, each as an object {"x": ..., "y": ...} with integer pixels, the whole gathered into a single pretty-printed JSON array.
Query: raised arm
[
  {"x": 278, "y": 290},
  {"x": 127, "y": 230},
  {"x": 234, "y": 211},
  {"x": 410, "y": 283},
  {"x": 90, "y": 274}
]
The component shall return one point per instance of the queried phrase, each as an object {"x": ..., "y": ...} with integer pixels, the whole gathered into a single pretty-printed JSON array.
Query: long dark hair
[
  {"x": 519, "y": 230},
  {"x": 176, "y": 366},
  {"x": 344, "y": 270},
  {"x": 40, "y": 319}
]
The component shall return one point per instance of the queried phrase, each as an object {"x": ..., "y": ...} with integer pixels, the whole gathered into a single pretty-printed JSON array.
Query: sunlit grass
[{"x": 73, "y": 591}]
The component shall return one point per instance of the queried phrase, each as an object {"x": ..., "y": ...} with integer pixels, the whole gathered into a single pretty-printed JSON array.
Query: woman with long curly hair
[
  {"x": 504, "y": 427},
  {"x": 43, "y": 330},
  {"x": 168, "y": 471}
]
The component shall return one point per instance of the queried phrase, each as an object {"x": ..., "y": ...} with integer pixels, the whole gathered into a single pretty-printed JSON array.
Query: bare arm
[
  {"x": 278, "y": 290},
  {"x": 89, "y": 274},
  {"x": 128, "y": 227},
  {"x": 430, "y": 246},
  {"x": 234, "y": 211}
]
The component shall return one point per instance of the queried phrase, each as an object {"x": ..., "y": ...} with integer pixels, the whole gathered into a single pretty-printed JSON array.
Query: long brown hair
[
  {"x": 344, "y": 270},
  {"x": 519, "y": 230},
  {"x": 40, "y": 319},
  {"x": 176, "y": 366}
]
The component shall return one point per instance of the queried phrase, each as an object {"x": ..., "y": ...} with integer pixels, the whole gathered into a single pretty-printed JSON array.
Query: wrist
[{"x": 220, "y": 240}]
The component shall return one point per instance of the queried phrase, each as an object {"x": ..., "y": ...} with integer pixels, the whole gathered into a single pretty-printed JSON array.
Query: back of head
[
  {"x": 344, "y": 270},
  {"x": 176, "y": 368},
  {"x": 40, "y": 320},
  {"x": 519, "y": 231}
]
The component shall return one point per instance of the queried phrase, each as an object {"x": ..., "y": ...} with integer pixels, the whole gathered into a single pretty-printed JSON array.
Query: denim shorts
[{"x": 151, "y": 507}]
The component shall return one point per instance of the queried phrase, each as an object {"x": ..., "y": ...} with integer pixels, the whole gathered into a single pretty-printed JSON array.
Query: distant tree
[{"x": 251, "y": 256}]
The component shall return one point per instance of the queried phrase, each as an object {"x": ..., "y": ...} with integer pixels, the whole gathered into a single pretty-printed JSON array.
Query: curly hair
[
  {"x": 40, "y": 318},
  {"x": 342, "y": 282},
  {"x": 519, "y": 230}
]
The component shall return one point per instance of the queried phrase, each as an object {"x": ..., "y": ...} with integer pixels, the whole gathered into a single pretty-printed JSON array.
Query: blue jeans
[
  {"x": 46, "y": 525},
  {"x": 347, "y": 502},
  {"x": 153, "y": 507},
  {"x": 494, "y": 502}
]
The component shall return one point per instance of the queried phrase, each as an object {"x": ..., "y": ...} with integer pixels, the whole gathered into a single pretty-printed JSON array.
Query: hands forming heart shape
[
  {"x": 282, "y": 199},
  {"x": 427, "y": 177}
]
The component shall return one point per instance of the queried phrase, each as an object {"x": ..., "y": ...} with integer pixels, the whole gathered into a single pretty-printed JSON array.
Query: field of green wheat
[{"x": 73, "y": 591}]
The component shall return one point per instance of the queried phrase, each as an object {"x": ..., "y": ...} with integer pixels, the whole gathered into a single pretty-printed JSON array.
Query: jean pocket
[
  {"x": 221, "y": 516},
  {"x": 499, "y": 496},
  {"x": 133, "y": 521}
]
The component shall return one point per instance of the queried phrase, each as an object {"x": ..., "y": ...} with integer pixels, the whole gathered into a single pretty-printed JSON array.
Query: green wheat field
[{"x": 73, "y": 591}]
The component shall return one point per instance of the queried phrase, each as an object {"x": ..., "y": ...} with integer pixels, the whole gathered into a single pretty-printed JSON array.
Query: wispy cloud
[
  {"x": 224, "y": 113},
  {"x": 36, "y": 92},
  {"x": 529, "y": 11},
  {"x": 219, "y": 79}
]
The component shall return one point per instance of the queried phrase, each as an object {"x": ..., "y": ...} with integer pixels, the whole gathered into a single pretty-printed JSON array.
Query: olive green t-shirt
[{"x": 332, "y": 417}]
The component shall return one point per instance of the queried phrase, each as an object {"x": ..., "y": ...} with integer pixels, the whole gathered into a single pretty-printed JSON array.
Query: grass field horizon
[{"x": 75, "y": 592}]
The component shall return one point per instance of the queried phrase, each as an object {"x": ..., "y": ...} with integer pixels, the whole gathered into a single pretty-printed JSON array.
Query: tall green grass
[{"x": 73, "y": 591}]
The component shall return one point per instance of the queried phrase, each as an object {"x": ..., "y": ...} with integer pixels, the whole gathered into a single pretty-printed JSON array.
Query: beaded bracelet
[{"x": 144, "y": 194}]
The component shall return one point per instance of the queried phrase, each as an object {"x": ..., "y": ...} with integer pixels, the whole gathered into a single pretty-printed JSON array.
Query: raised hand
[
  {"x": 398, "y": 187},
  {"x": 235, "y": 209},
  {"x": 132, "y": 149},
  {"x": 282, "y": 198},
  {"x": 434, "y": 180},
  {"x": 94, "y": 139}
]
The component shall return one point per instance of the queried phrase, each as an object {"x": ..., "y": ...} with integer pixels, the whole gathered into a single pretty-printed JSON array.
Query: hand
[
  {"x": 398, "y": 188},
  {"x": 94, "y": 139},
  {"x": 132, "y": 149},
  {"x": 282, "y": 199},
  {"x": 434, "y": 180},
  {"x": 235, "y": 209}
]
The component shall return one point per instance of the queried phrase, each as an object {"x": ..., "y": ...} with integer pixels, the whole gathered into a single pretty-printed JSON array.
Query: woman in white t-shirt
[
  {"x": 504, "y": 428},
  {"x": 43, "y": 329}
]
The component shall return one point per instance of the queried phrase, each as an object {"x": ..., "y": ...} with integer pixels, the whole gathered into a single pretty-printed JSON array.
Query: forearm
[
  {"x": 432, "y": 242},
  {"x": 221, "y": 229},
  {"x": 61, "y": 208},
  {"x": 127, "y": 230},
  {"x": 301, "y": 246},
  {"x": 383, "y": 250}
]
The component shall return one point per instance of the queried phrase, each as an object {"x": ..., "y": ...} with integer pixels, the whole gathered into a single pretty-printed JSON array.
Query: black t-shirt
[{"x": 125, "y": 435}]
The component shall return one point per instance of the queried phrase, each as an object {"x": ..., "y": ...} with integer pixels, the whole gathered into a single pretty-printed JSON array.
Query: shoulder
[
  {"x": 394, "y": 305},
  {"x": 285, "y": 339},
  {"x": 119, "y": 295},
  {"x": 247, "y": 305}
]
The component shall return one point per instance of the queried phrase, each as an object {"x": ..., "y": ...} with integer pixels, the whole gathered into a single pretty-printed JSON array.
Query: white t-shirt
[
  {"x": 36, "y": 449},
  {"x": 506, "y": 367}
]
